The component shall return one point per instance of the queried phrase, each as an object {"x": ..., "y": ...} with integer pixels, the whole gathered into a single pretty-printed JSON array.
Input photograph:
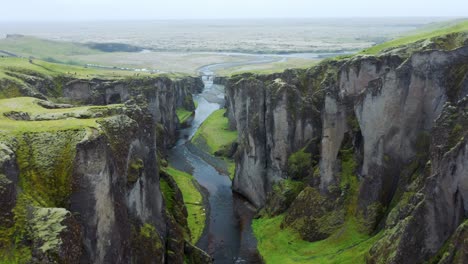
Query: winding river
[{"x": 228, "y": 236}]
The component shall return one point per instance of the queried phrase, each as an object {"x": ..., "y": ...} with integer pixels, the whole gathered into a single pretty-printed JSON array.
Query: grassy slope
[
  {"x": 214, "y": 134},
  {"x": 29, "y": 105},
  {"x": 55, "y": 69},
  {"x": 269, "y": 68},
  {"x": 183, "y": 114},
  {"x": 278, "y": 245},
  {"x": 193, "y": 201},
  {"x": 45, "y": 49},
  {"x": 446, "y": 29}
]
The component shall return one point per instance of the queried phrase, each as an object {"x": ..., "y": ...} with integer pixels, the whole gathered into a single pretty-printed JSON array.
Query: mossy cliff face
[
  {"x": 391, "y": 134},
  {"x": 82, "y": 189},
  {"x": 89, "y": 172},
  {"x": 164, "y": 95},
  {"x": 275, "y": 117}
]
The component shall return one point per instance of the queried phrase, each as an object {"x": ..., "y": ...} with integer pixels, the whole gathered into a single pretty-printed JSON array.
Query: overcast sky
[{"x": 47, "y": 10}]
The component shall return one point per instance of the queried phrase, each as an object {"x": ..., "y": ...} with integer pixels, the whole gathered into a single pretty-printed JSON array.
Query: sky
[{"x": 76, "y": 10}]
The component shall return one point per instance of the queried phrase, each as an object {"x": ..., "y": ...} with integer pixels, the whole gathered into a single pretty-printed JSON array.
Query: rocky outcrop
[
  {"x": 8, "y": 180},
  {"x": 91, "y": 194},
  {"x": 391, "y": 130},
  {"x": 164, "y": 94},
  {"x": 275, "y": 116}
]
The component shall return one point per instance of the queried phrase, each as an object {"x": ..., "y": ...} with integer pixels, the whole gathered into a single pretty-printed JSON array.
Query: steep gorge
[
  {"x": 376, "y": 142},
  {"x": 82, "y": 184}
]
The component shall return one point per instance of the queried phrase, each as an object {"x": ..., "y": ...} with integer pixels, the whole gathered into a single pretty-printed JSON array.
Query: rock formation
[{"x": 376, "y": 138}]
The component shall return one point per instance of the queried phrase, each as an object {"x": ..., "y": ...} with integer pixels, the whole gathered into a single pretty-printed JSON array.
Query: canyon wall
[
  {"x": 384, "y": 138},
  {"x": 91, "y": 193}
]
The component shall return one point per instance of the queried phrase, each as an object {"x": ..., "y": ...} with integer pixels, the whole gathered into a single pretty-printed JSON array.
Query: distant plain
[{"x": 184, "y": 46}]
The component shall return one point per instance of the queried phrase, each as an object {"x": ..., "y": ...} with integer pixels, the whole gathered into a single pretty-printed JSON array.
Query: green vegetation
[
  {"x": 10, "y": 65},
  {"x": 283, "y": 194},
  {"x": 299, "y": 164},
  {"x": 183, "y": 115},
  {"x": 448, "y": 29},
  {"x": 269, "y": 68},
  {"x": 149, "y": 232},
  {"x": 215, "y": 137},
  {"x": 284, "y": 245},
  {"x": 46, "y": 225},
  {"x": 215, "y": 132},
  {"x": 135, "y": 170},
  {"x": 45, "y": 151},
  {"x": 311, "y": 215},
  {"x": 45, "y": 49},
  {"x": 146, "y": 242},
  {"x": 348, "y": 180},
  {"x": 57, "y": 119},
  {"x": 193, "y": 200}
]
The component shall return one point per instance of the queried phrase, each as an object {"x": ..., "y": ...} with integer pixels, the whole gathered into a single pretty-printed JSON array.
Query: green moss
[
  {"x": 353, "y": 123},
  {"x": 13, "y": 240},
  {"x": 135, "y": 170},
  {"x": 277, "y": 245},
  {"x": 432, "y": 34},
  {"x": 300, "y": 164},
  {"x": 46, "y": 226},
  {"x": 45, "y": 162},
  {"x": 168, "y": 194},
  {"x": 45, "y": 153},
  {"x": 349, "y": 183},
  {"x": 146, "y": 242},
  {"x": 455, "y": 135},
  {"x": 456, "y": 76},
  {"x": 280, "y": 198},
  {"x": 183, "y": 115},
  {"x": 9, "y": 87},
  {"x": 192, "y": 198},
  {"x": 314, "y": 215}
]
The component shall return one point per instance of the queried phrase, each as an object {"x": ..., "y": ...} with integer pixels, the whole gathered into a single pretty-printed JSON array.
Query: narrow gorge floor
[{"x": 228, "y": 236}]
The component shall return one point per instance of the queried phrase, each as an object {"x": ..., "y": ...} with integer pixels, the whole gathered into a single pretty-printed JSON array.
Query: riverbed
[{"x": 228, "y": 235}]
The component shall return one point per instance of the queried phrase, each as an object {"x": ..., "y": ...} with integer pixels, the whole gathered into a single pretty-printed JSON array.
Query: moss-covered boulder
[
  {"x": 281, "y": 197},
  {"x": 313, "y": 215},
  {"x": 55, "y": 234}
]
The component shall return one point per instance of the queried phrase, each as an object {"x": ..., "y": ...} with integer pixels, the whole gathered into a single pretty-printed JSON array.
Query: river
[{"x": 228, "y": 236}]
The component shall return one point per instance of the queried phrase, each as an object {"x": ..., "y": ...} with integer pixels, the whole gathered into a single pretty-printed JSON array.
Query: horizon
[
  {"x": 241, "y": 19},
  {"x": 144, "y": 10}
]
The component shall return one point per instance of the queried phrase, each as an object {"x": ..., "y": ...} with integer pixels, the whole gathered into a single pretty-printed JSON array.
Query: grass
[
  {"x": 193, "y": 201},
  {"x": 215, "y": 131},
  {"x": 268, "y": 68},
  {"x": 183, "y": 115},
  {"x": 284, "y": 246},
  {"x": 8, "y": 64},
  {"x": 447, "y": 29},
  {"x": 30, "y": 106},
  {"x": 45, "y": 49},
  {"x": 214, "y": 135}
]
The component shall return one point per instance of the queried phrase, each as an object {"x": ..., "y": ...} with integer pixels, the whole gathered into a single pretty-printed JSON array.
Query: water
[{"x": 228, "y": 236}]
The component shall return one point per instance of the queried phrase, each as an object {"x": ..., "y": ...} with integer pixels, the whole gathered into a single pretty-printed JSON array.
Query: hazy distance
[{"x": 57, "y": 10}]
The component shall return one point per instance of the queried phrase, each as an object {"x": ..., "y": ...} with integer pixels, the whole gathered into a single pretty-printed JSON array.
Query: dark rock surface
[{"x": 395, "y": 124}]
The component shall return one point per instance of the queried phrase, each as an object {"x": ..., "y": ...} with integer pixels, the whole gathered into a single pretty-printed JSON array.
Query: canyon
[{"x": 358, "y": 159}]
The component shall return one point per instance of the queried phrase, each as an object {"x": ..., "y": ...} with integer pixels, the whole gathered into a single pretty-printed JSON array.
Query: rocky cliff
[
  {"x": 82, "y": 184},
  {"x": 164, "y": 94},
  {"x": 377, "y": 139}
]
